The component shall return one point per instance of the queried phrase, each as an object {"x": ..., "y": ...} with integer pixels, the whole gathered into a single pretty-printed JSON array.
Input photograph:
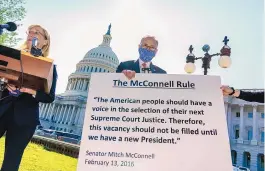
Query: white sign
[{"x": 155, "y": 122}]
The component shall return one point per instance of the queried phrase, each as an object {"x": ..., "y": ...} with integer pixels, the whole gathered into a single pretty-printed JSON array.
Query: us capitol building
[
  {"x": 67, "y": 111},
  {"x": 245, "y": 120}
]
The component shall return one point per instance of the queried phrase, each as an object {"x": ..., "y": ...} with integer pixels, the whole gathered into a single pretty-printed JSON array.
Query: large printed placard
[{"x": 155, "y": 122}]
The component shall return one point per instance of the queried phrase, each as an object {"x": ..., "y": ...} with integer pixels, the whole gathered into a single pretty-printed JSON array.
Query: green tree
[{"x": 13, "y": 11}]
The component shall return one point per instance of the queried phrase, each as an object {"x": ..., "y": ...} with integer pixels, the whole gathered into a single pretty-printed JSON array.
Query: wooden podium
[{"x": 37, "y": 71}]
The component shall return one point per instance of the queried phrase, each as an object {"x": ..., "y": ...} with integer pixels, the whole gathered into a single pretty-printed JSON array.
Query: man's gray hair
[{"x": 150, "y": 37}]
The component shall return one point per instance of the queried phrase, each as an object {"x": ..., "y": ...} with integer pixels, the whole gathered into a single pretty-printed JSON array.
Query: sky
[{"x": 77, "y": 26}]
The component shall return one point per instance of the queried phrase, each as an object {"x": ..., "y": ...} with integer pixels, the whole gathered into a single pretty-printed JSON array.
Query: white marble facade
[
  {"x": 245, "y": 121},
  {"x": 66, "y": 113}
]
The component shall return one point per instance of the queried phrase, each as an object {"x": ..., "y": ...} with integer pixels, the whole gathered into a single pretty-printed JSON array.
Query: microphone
[
  {"x": 35, "y": 51},
  {"x": 34, "y": 42},
  {"x": 10, "y": 26}
]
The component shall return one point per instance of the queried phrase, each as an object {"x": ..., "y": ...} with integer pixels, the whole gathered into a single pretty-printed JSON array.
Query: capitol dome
[
  {"x": 67, "y": 111},
  {"x": 98, "y": 59}
]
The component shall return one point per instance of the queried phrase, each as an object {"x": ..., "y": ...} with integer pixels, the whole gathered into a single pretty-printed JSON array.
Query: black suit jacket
[
  {"x": 252, "y": 96},
  {"x": 25, "y": 106},
  {"x": 134, "y": 66}
]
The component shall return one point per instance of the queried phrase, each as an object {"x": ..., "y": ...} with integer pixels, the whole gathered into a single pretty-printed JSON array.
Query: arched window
[
  {"x": 246, "y": 159},
  {"x": 260, "y": 162},
  {"x": 234, "y": 156},
  {"x": 236, "y": 131},
  {"x": 249, "y": 132}
]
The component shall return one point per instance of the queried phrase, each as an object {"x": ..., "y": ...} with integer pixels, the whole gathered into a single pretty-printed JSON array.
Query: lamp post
[{"x": 224, "y": 60}]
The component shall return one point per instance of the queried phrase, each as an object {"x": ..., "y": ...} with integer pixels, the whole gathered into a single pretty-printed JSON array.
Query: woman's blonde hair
[{"x": 46, "y": 47}]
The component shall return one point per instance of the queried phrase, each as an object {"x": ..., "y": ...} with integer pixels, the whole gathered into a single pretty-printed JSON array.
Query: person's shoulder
[
  {"x": 158, "y": 69},
  {"x": 127, "y": 63}
]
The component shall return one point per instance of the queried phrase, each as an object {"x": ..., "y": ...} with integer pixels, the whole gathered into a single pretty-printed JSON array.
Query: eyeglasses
[{"x": 35, "y": 33}]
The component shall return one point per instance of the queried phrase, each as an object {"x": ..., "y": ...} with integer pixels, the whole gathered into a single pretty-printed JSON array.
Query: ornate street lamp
[{"x": 224, "y": 60}]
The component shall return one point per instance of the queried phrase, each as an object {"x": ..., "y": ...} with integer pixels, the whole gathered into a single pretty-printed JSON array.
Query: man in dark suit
[{"x": 147, "y": 51}]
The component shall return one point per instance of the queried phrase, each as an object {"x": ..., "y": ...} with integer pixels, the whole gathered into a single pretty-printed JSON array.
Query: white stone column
[
  {"x": 42, "y": 105},
  {"x": 60, "y": 106},
  {"x": 61, "y": 113},
  {"x": 77, "y": 85},
  {"x": 65, "y": 114},
  {"x": 80, "y": 84},
  {"x": 230, "y": 126},
  {"x": 49, "y": 113},
  {"x": 254, "y": 127},
  {"x": 72, "y": 116},
  {"x": 81, "y": 117},
  {"x": 226, "y": 113},
  {"x": 68, "y": 113},
  {"x": 71, "y": 84},
  {"x": 68, "y": 120},
  {"x": 241, "y": 129},
  {"x": 77, "y": 115},
  {"x": 46, "y": 111},
  {"x": 55, "y": 110},
  {"x": 43, "y": 111},
  {"x": 52, "y": 112},
  {"x": 84, "y": 85}
]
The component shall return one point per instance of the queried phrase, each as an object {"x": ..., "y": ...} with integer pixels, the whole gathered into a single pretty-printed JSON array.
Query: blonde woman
[{"x": 19, "y": 115}]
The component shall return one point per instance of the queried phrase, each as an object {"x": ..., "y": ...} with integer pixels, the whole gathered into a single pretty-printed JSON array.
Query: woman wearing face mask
[
  {"x": 19, "y": 110},
  {"x": 147, "y": 51}
]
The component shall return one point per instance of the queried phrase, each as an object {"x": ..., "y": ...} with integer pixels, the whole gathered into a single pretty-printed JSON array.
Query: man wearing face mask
[{"x": 147, "y": 51}]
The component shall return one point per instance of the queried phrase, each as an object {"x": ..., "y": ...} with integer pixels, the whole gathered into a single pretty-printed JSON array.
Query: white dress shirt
[{"x": 141, "y": 66}]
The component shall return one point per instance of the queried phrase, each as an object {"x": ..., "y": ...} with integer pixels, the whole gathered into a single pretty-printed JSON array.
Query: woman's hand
[
  {"x": 28, "y": 90},
  {"x": 129, "y": 74},
  {"x": 227, "y": 91},
  {"x": 13, "y": 90},
  {"x": 11, "y": 87}
]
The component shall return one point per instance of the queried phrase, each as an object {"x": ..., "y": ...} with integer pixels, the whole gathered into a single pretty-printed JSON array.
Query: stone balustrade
[{"x": 61, "y": 147}]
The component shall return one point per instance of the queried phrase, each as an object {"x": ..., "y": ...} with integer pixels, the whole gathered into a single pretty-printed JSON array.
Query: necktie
[{"x": 144, "y": 68}]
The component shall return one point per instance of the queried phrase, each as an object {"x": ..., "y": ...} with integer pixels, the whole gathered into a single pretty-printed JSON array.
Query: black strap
[{"x": 233, "y": 91}]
